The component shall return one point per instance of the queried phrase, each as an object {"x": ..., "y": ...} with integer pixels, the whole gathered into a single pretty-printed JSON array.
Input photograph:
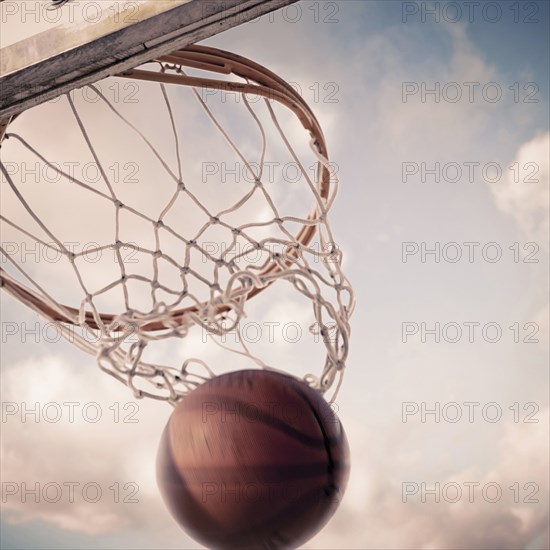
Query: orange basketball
[{"x": 253, "y": 459}]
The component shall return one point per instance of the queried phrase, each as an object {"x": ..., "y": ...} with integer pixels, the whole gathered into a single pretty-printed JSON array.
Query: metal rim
[{"x": 268, "y": 85}]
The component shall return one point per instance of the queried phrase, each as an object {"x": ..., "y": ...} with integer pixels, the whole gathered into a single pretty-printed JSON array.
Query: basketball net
[{"x": 315, "y": 272}]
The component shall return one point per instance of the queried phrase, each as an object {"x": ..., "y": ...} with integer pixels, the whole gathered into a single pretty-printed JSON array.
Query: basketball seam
[
  {"x": 275, "y": 423},
  {"x": 326, "y": 440}
]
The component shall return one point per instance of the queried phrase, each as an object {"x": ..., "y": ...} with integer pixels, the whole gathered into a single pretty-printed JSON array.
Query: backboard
[{"x": 99, "y": 39}]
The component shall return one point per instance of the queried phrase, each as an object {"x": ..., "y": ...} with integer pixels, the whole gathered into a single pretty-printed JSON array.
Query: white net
[{"x": 178, "y": 247}]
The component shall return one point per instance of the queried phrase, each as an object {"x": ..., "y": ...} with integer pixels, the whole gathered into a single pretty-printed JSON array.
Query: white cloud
[
  {"x": 372, "y": 514},
  {"x": 36, "y": 451},
  {"x": 525, "y": 194}
]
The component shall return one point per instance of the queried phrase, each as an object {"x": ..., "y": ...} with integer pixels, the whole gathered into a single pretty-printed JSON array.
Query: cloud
[
  {"x": 525, "y": 194},
  {"x": 50, "y": 449},
  {"x": 406, "y": 109},
  {"x": 372, "y": 514}
]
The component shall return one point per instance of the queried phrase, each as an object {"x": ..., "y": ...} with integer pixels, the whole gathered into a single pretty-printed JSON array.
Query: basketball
[{"x": 253, "y": 459}]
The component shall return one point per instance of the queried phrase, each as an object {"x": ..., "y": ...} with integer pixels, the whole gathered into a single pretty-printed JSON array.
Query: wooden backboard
[{"x": 105, "y": 38}]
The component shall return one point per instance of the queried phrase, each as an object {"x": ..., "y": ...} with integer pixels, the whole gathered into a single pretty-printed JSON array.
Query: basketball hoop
[{"x": 316, "y": 273}]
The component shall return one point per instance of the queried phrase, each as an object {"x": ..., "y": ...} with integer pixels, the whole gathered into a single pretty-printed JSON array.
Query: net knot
[{"x": 161, "y": 308}]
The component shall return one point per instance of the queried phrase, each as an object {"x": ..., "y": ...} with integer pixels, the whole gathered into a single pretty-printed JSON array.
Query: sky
[{"x": 438, "y": 124}]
